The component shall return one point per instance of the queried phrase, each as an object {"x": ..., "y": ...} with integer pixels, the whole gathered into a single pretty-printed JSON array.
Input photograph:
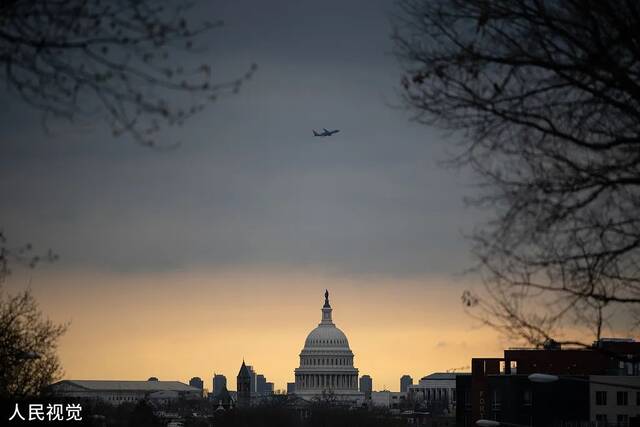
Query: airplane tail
[{"x": 315, "y": 133}]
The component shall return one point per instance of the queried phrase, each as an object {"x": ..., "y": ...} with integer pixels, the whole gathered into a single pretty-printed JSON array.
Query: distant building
[
  {"x": 223, "y": 399},
  {"x": 387, "y": 399},
  {"x": 254, "y": 381},
  {"x": 366, "y": 386},
  {"x": 261, "y": 384},
  {"x": 219, "y": 382},
  {"x": 244, "y": 386},
  {"x": 253, "y": 388},
  {"x": 436, "y": 392},
  {"x": 268, "y": 389},
  {"x": 117, "y": 392},
  {"x": 196, "y": 382},
  {"x": 291, "y": 388},
  {"x": 405, "y": 382}
]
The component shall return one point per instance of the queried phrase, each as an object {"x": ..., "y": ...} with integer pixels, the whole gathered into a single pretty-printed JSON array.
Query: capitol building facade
[{"x": 326, "y": 363}]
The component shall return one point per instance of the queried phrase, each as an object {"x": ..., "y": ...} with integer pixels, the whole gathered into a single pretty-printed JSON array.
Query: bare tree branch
[
  {"x": 546, "y": 96},
  {"x": 67, "y": 58}
]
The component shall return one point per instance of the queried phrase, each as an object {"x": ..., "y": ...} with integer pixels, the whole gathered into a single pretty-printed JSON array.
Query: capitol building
[{"x": 326, "y": 363}]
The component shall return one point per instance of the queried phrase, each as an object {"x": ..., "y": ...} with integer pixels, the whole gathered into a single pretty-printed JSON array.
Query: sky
[{"x": 182, "y": 262}]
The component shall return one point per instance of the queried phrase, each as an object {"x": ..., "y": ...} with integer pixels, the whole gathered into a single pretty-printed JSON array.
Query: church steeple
[{"x": 326, "y": 310}]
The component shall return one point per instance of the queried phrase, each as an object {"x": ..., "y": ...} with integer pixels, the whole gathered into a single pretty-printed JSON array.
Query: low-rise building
[
  {"x": 437, "y": 392},
  {"x": 388, "y": 399},
  {"x": 117, "y": 392}
]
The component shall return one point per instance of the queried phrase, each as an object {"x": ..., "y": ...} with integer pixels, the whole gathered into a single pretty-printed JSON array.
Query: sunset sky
[{"x": 180, "y": 263}]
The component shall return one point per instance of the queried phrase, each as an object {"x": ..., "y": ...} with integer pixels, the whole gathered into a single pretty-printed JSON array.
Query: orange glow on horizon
[{"x": 182, "y": 324}]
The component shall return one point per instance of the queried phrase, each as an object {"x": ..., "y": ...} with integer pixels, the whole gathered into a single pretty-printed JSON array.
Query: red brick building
[{"x": 499, "y": 389}]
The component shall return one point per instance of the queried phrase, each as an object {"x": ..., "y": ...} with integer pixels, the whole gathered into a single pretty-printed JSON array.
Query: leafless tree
[
  {"x": 28, "y": 346},
  {"x": 28, "y": 341},
  {"x": 544, "y": 98},
  {"x": 122, "y": 57},
  {"x": 23, "y": 255}
]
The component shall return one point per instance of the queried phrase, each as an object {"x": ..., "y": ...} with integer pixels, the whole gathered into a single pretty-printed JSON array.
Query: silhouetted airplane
[{"x": 325, "y": 132}]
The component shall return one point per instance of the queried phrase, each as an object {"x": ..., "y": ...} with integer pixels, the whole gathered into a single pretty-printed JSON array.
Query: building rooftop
[
  {"x": 440, "y": 376},
  {"x": 118, "y": 385},
  {"x": 244, "y": 371}
]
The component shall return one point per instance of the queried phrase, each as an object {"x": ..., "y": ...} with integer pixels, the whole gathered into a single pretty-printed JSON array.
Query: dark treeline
[
  {"x": 203, "y": 414},
  {"x": 313, "y": 417}
]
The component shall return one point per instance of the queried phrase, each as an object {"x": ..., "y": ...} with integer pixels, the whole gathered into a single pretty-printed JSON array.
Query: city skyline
[
  {"x": 299, "y": 213},
  {"x": 163, "y": 253},
  {"x": 373, "y": 331},
  {"x": 179, "y": 263}
]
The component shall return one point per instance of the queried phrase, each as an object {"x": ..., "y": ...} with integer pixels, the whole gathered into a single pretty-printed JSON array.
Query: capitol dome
[
  {"x": 326, "y": 362},
  {"x": 326, "y": 336}
]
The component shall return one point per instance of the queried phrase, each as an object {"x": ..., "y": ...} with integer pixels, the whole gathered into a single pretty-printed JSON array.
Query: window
[
  {"x": 637, "y": 398},
  {"x": 496, "y": 400},
  {"x": 623, "y": 420},
  {"x": 601, "y": 420},
  {"x": 601, "y": 398},
  {"x": 623, "y": 398}
]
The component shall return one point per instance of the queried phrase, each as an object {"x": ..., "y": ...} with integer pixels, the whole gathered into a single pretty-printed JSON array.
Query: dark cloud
[{"x": 250, "y": 186}]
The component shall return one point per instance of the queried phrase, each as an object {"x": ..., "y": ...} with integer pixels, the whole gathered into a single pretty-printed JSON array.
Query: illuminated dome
[
  {"x": 326, "y": 362},
  {"x": 325, "y": 336}
]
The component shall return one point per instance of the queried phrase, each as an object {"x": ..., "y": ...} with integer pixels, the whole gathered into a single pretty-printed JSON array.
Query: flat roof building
[{"x": 117, "y": 392}]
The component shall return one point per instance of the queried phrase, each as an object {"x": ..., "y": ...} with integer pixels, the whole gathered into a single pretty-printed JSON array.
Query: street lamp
[
  {"x": 547, "y": 378},
  {"x": 543, "y": 378},
  {"x": 492, "y": 423}
]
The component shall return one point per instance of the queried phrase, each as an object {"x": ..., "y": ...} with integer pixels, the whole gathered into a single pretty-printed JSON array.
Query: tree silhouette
[
  {"x": 545, "y": 99},
  {"x": 74, "y": 57},
  {"x": 28, "y": 344},
  {"x": 28, "y": 341},
  {"x": 23, "y": 255},
  {"x": 142, "y": 415}
]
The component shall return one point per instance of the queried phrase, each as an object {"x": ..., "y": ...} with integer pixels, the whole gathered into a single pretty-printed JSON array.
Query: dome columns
[{"x": 326, "y": 382}]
